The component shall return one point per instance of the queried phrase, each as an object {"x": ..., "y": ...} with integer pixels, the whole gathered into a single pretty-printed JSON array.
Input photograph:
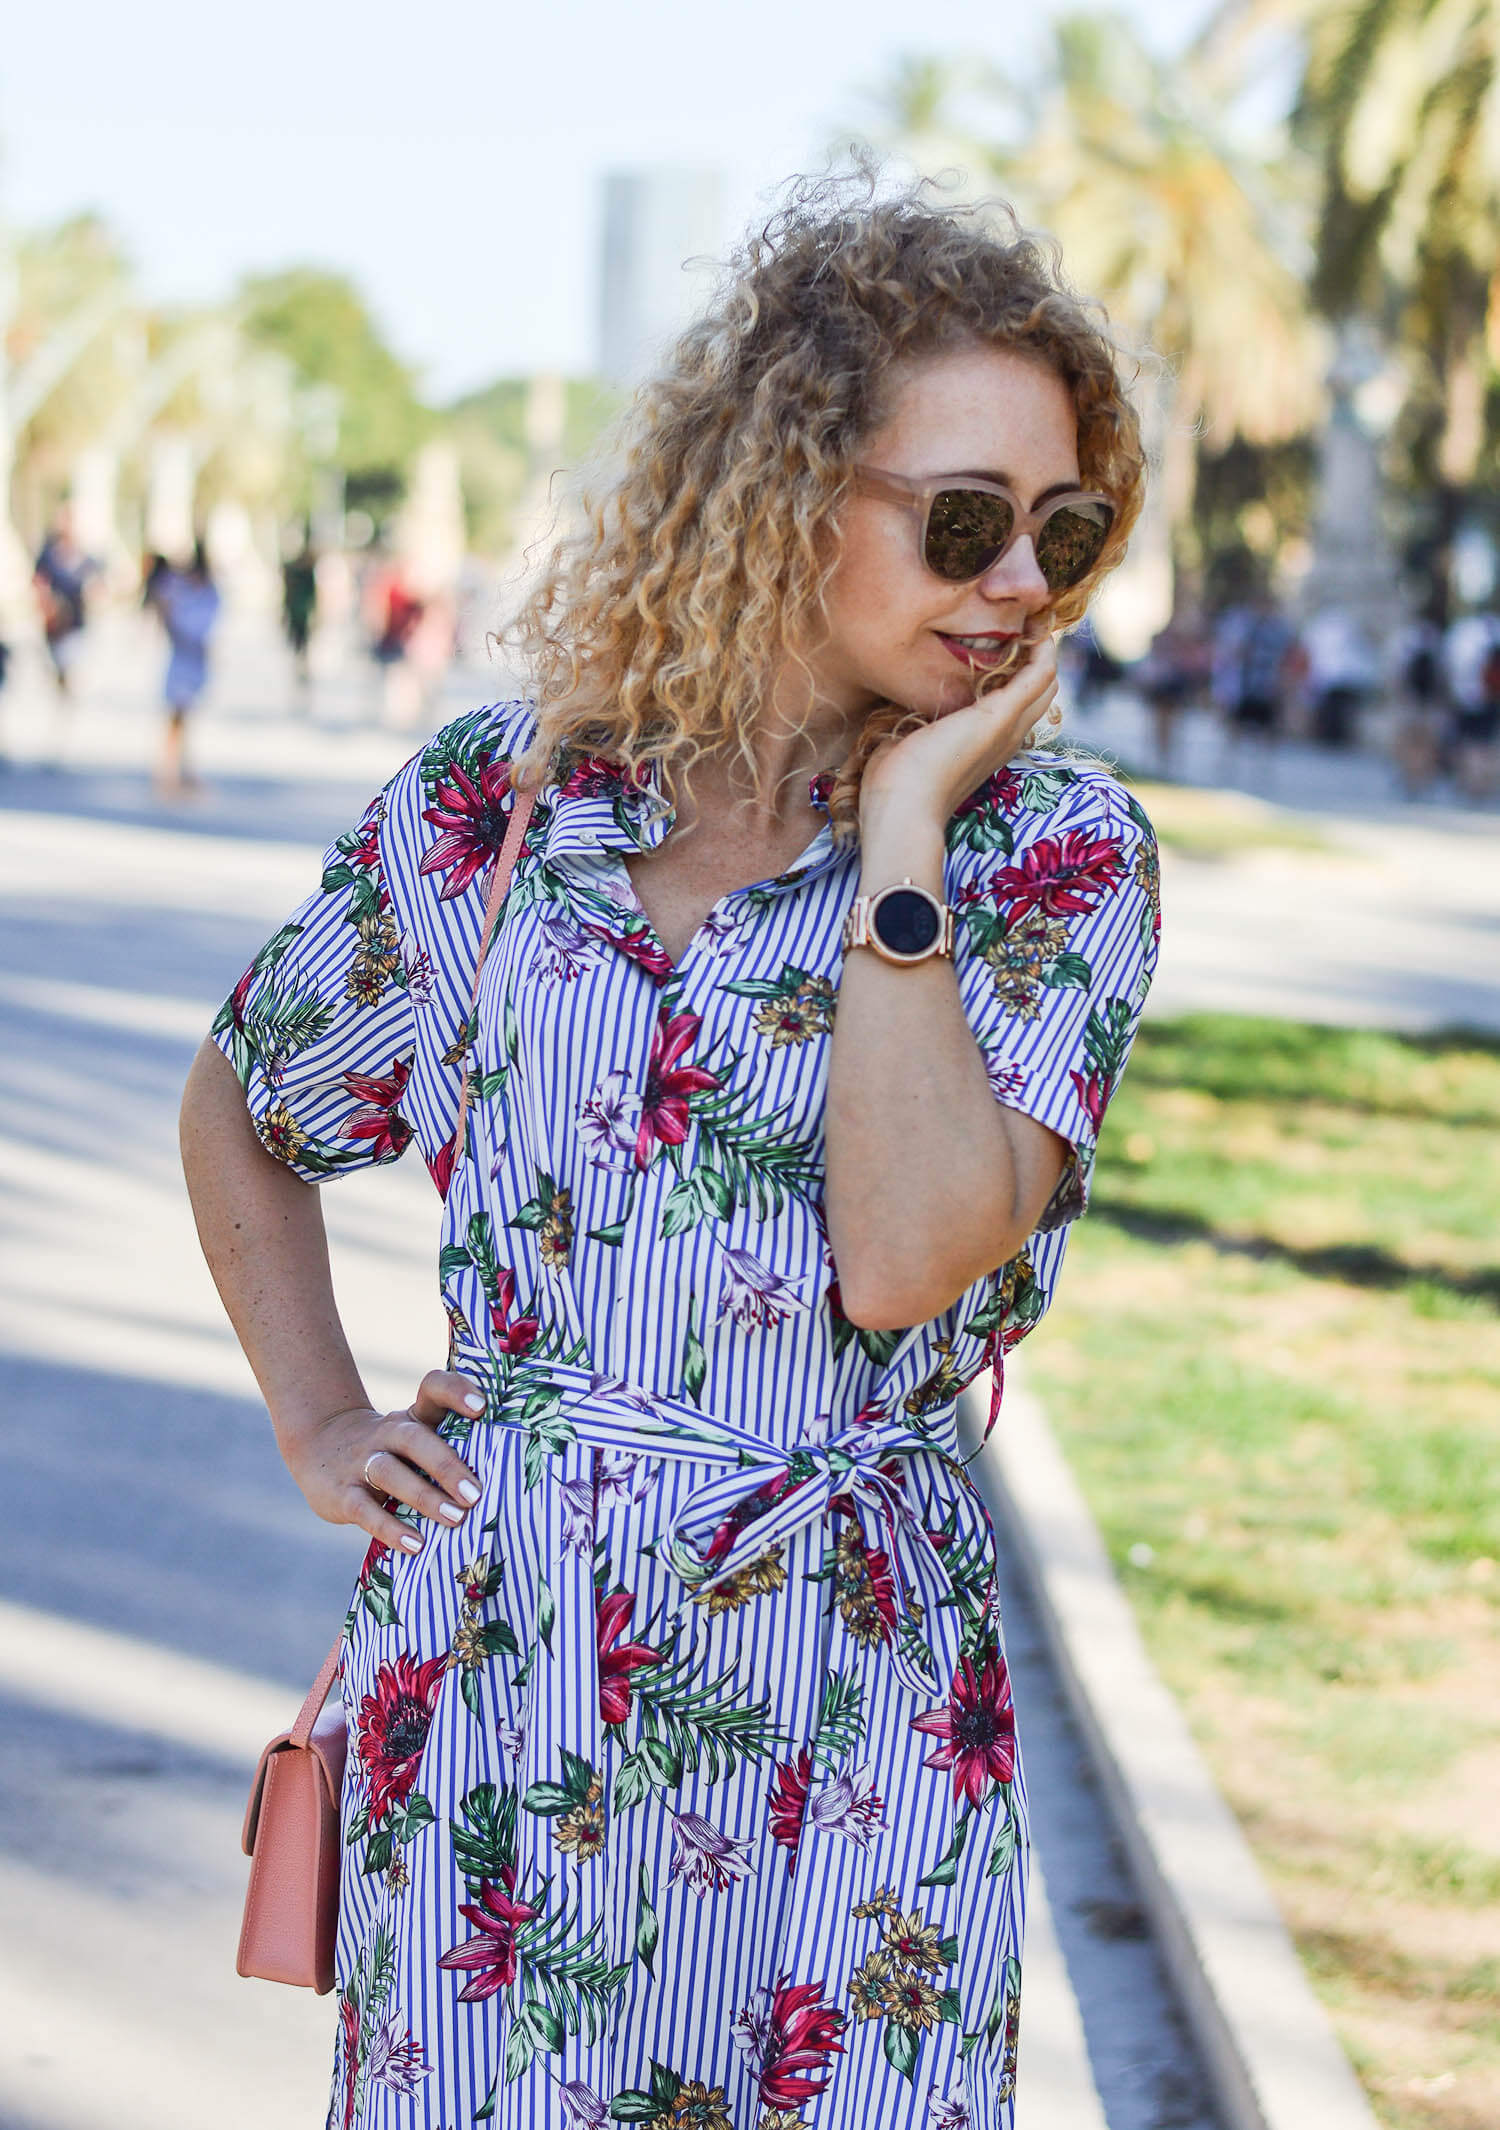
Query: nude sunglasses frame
[{"x": 917, "y": 496}]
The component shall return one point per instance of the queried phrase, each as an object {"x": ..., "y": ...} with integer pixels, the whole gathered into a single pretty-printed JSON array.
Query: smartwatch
[{"x": 901, "y": 924}]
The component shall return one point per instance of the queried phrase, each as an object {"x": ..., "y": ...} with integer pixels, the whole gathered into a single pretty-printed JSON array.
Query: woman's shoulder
[
  {"x": 443, "y": 814},
  {"x": 1041, "y": 796}
]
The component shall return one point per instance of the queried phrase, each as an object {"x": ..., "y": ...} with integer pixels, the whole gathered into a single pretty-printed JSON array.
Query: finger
[
  {"x": 390, "y": 1475},
  {"x": 370, "y": 1515},
  {"x": 441, "y": 1392},
  {"x": 416, "y": 1444}
]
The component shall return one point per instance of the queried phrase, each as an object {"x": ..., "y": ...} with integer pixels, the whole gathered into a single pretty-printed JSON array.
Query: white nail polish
[
  {"x": 451, "y": 1512},
  {"x": 412, "y": 1543},
  {"x": 469, "y": 1491},
  {"x": 473, "y": 1403}
]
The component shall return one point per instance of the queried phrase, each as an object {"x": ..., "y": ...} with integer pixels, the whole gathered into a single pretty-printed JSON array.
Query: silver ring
[{"x": 372, "y": 1484}]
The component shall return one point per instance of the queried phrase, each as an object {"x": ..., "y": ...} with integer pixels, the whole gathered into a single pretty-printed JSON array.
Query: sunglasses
[{"x": 969, "y": 523}]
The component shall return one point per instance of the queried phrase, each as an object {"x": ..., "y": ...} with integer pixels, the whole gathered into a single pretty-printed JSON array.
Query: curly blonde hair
[{"x": 707, "y": 536}]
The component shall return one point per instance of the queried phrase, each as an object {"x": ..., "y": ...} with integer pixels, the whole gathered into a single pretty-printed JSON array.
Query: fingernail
[
  {"x": 412, "y": 1543},
  {"x": 473, "y": 1403},
  {"x": 469, "y": 1491},
  {"x": 451, "y": 1513}
]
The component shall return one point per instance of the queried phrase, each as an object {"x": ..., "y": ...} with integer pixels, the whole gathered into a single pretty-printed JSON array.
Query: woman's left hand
[{"x": 933, "y": 770}]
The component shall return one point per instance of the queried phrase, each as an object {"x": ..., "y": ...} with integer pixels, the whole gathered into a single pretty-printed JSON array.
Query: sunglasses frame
[{"x": 917, "y": 495}]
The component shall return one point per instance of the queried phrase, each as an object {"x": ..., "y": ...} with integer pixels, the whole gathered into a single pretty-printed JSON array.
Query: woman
[
  {"x": 188, "y": 602},
  {"x": 683, "y": 1784}
]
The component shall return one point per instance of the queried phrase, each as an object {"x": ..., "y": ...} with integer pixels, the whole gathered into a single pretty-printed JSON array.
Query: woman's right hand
[{"x": 407, "y": 1460}]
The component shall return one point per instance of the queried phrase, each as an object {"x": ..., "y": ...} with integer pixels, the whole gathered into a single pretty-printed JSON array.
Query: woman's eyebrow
[{"x": 1003, "y": 480}]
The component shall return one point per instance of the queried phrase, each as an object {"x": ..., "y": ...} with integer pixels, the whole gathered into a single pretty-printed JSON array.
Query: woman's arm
[
  {"x": 932, "y": 1183},
  {"x": 262, "y": 1233}
]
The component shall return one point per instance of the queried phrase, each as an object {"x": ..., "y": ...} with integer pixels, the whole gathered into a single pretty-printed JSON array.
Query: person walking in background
[
  {"x": 1169, "y": 677},
  {"x": 1469, "y": 664},
  {"x": 62, "y": 576},
  {"x": 188, "y": 602},
  {"x": 299, "y": 608},
  {"x": 1340, "y": 674},
  {"x": 1420, "y": 745},
  {"x": 683, "y": 1783},
  {"x": 393, "y": 613},
  {"x": 1253, "y": 651}
]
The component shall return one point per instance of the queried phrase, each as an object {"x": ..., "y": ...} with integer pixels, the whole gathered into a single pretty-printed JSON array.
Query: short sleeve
[
  {"x": 1052, "y": 869},
  {"x": 320, "y": 1027}
]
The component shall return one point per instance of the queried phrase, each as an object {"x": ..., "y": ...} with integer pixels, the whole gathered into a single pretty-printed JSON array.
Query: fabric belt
[{"x": 771, "y": 1492}]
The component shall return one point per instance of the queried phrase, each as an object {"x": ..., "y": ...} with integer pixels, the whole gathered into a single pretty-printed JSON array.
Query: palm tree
[{"x": 1196, "y": 249}]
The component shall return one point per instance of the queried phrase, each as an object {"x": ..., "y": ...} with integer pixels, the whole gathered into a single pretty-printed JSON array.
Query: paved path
[{"x": 164, "y": 1594}]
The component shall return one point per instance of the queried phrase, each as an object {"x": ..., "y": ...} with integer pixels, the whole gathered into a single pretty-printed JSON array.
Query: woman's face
[{"x": 896, "y": 630}]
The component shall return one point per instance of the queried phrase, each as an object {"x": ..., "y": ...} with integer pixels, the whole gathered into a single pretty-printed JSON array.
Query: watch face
[{"x": 905, "y": 921}]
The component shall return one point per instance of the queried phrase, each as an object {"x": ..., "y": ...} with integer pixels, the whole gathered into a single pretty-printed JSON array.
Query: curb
[{"x": 1272, "y": 2059}]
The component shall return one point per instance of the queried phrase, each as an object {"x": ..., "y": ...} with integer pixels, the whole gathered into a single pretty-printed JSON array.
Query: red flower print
[
  {"x": 363, "y": 848},
  {"x": 594, "y": 777},
  {"x": 611, "y": 1618},
  {"x": 664, "y": 1105},
  {"x": 507, "y": 1336},
  {"x": 1002, "y": 790},
  {"x": 978, "y": 1729},
  {"x": 1093, "y": 1091},
  {"x": 787, "y": 1804},
  {"x": 490, "y": 1959},
  {"x": 787, "y": 2035},
  {"x": 388, "y": 1132},
  {"x": 349, "y": 2043},
  {"x": 473, "y": 819},
  {"x": 1060, "y": 876},
  {"x": 440, "y": 1164},
  {"x": 637, "y": 944},
  {"x": 393, "y": 1724}
]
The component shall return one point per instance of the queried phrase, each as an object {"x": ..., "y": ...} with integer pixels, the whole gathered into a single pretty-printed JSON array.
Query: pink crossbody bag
[{"x": 292, "y": 1832}]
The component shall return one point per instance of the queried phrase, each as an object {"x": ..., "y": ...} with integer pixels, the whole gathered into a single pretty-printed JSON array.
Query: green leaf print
[
  {"x": 1069, "y": 972},
  {"x": 283, "y": 1016},
  {"x": 981, "y": 830},
  {"x": 546, "y": 1612},
  {"x": 840, "y": 1726},
  {"x": 1002, "y": 1854},
  {"x": 945, "y": 1871},
  {"x": 685, "y": 1728},
  {"x": 647, "y": 1928},
  {"x": 1042, "y": 789},
  {"x": 484, "y": 1847},
  {"x": 566, "y": 1989},
  {"x": 748, "y": 1160},
  {"x": 694, "y": 1359},
  {"x": 1106, "y": 1036},
  {"x": 901, "y": 2049}
]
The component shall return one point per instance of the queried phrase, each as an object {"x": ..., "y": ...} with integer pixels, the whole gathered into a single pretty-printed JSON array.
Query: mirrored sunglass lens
[
  {"x": 1070, "y": 542},
  {"x": 966, "y": 529}
]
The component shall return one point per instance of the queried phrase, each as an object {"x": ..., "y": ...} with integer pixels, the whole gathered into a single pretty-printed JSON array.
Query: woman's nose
[{"x": 1017, "y": 576}]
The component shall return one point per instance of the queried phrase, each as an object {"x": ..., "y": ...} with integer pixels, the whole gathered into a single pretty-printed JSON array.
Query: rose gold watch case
[{"x": 859, "y": 926}]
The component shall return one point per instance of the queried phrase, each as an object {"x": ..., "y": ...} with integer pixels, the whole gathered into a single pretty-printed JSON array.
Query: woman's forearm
[
  {"x": 262, "y": 1233},
  {"x": 931, "y": 1182}
]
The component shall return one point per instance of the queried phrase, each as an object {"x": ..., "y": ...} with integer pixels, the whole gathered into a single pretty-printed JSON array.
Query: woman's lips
[{"x": 997, "y": 649}]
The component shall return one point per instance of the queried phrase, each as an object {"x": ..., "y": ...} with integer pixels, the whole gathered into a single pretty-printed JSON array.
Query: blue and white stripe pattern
[{"x": 683, "y": 1785}]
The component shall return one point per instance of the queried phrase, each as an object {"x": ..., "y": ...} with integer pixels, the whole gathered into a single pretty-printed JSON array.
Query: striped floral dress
[{"x": 683, "y": 1785}]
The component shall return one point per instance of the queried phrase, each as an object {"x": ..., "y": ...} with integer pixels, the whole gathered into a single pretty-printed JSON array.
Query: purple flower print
[
  {"x": 703, "y": 1858},
  {"x": 618, "y": 1481},
  {"x": 849, "y": 1805},
  {"x": 754, "y": 1295},
  {"x": 609, "y": 1122},
  {"x": 578, "y": 1516},
  {"x": 394, "y": 2059},
  {"x": 513, "y": 1736},
  {"x": 583, "y": 2109},
  {"x": 416, "y": 967},
  {"x": 566, "y": 949},
  {"x": 948, "y": 2114}
]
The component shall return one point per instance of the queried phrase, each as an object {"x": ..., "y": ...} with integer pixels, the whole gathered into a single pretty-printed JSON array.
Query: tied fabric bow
[{"x": 775, "y": 1493}]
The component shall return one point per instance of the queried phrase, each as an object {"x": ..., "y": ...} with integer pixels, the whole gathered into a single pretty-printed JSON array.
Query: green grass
[
  {"x": 1214, "y": 825},
  {"x": 1275, "y": 1361}
]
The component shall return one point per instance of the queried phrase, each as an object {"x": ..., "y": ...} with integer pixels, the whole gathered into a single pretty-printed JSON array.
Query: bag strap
[
  {"x": 307, "y": 1715},
  {"x": 504, "y": 866}
]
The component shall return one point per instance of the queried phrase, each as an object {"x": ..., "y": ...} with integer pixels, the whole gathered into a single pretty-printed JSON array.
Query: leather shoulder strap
[
  {"x": 307, "y": 1715},
  {"x": 504, "y": 866}
]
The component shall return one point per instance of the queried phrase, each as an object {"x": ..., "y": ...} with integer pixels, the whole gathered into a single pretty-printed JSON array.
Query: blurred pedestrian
[
  {"x": 1421, "y": 742},
  {"x": 393, "y": 612},
  {"x": 62, "y": 575},
  {"x": 188, "y": 602},
  {"x": 787, "y": 682},
  {"x": 299, "y": 608},
  {"x": 1476, "y": 727},
  {"x": 1168, "y": 677},
  {"x": 1254, "y": 647},
  {"x": 1340, "y": 676}
]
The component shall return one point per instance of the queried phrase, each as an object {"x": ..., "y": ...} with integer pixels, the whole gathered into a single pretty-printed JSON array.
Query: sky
[{"x": 449, "y": 156}]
